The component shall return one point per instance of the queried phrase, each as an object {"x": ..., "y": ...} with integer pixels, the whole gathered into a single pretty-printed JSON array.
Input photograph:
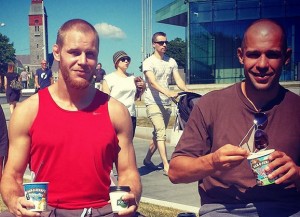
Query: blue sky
[{"x": 119, "y": 23}]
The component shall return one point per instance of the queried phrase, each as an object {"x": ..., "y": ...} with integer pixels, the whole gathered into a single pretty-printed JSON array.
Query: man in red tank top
[{"x": 92, "y": 132}]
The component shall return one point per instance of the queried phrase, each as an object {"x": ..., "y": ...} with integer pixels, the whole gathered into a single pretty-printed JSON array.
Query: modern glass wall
[{"x": 216, "y": 29}]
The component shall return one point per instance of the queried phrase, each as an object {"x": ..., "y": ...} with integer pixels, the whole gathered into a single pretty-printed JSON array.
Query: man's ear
[
  {"x": 288, "y": 55},
  {"x": 240, "y": 55},
  {"x": 56, "y": 52}
]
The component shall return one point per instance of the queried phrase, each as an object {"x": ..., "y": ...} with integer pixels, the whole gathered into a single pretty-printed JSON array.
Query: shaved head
[{"x": 265, "y": 28}]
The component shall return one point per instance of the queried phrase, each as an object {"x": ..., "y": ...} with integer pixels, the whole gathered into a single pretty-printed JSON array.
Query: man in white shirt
[{"x": 158, "y": 68}]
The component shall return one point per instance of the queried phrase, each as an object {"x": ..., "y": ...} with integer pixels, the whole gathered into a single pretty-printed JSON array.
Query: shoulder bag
[{"x": 16, "y": 84}]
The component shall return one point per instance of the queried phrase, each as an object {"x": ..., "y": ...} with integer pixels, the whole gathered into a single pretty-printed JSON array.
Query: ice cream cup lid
[{"x": 119, "y": 188}]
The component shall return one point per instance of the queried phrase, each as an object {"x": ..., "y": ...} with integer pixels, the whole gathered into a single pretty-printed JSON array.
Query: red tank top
[{"x": 76, "y": 151}]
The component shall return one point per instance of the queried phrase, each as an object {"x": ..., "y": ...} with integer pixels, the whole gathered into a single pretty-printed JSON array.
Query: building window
[{"x": 36, "y": 26}]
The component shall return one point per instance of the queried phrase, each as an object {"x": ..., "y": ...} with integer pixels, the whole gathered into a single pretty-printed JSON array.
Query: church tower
[{"x": 38, "y": 34}]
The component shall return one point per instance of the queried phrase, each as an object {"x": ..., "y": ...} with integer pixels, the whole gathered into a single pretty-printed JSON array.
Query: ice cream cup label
[
  {"x": 258, "y": 162},
  {"x": 37, "y": 192}
]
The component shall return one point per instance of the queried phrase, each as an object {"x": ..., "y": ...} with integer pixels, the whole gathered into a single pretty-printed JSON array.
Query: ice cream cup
[
  {"x": 116, "y": 193},
  {"x": 258, "y": 162},
  {"x": 37, "y": 192}
]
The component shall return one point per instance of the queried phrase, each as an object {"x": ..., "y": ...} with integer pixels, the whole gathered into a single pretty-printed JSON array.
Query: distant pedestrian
[
  {"x": 158, "y": 68},
  {"x": 43, "y": 76},
  {"x": 3, "y": 141},
  {"x": 99, "y": 75},
  {"x": 12, "y": 95},
  {"x": 24, "y": 78},
  {"x": 123, "y": 86}
]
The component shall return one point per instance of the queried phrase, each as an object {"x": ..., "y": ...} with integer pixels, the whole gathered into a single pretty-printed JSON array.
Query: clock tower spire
[{"x": 38, "y": 33}]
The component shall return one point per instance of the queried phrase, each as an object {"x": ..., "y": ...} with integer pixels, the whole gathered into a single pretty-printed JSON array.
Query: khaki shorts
[{"x": 159, "y": 115}]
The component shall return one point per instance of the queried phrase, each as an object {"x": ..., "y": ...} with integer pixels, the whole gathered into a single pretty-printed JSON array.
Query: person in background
[
  {"x": 24, "y": 78},
  {"x": 3, "y": 141},
  {"x": 213, "y": 147},
  {"x": 43, "y": 76},
  {"x": 101, "y": 137},
  {"x": 158, "y": 68},
  {"x": 12, "y": 95},
  {"x": 99, "y": 75},
  {"x": 123, "y": 86}
]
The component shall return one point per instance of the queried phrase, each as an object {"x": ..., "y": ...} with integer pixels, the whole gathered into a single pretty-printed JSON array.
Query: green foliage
[
  {"x": 177, "y": 50},
  {"x": 7, "y": 53}
]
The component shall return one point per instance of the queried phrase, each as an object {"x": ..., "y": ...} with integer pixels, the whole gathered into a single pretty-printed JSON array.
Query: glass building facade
[{"x": 214, "y": 31}]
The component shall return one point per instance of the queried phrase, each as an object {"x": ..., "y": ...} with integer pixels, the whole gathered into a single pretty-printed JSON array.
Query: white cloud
[{"x": 109, "y": 31}]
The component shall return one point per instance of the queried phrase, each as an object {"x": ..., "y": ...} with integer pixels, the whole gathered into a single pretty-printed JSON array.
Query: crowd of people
[{"x": 212, "y": 150}]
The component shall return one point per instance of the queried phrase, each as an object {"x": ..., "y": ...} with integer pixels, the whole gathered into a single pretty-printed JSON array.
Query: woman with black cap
[{"x": 124, "y": 86}]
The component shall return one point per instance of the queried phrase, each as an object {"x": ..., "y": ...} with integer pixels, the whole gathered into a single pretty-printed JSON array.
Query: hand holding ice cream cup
[
  {"x": 258, "y": 162},
  {"x": 37, "y": 193}
]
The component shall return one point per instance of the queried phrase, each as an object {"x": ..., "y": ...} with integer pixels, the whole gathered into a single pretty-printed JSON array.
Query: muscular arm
[
  {"x": 19, "y": 147},
  {"x": 185, "y": 169},
  {"x": 153, "y": 82},
  {"x": 126, "y": 162},
  {"x": 190, "y": 162}
]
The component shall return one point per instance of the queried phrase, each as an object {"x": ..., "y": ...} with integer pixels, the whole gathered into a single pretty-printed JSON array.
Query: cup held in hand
[
  {"x": 37, "y": 192},
  {"x": 258, "y": 162},
  {"x": 116, "y": 194}
]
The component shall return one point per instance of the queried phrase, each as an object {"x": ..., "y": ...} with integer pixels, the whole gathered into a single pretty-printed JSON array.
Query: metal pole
[
  {"x": 142, "y": 47},
  {"x": 150, "y": 30},
  {"x": 44, "y": 32},
  {"x": 188, "y": 44}
]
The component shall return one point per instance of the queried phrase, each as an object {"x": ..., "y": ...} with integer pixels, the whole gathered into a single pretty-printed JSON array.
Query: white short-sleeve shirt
[
  {"x": 122, "y": 89},
  {"x": 162, "y": 70}
]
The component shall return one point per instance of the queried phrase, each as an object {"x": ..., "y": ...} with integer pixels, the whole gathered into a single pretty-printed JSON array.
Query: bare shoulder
[
  {"x": 116, "y": 108},
  {"x": 118, "y": 112}
]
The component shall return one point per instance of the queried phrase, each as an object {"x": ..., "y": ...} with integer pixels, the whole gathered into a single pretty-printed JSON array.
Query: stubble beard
[
  {"x": 82, "y": 84},
  {"x": 272, "y": 85}
]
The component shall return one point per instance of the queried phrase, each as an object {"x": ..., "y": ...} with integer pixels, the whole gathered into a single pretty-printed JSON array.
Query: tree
[
  {"x": 177, "y": 50},
  {"x": 7, "y": 54}
]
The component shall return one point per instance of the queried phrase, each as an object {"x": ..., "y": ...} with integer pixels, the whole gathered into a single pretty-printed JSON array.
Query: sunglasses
[
  {"x": 161, "y": 43},
  {"x": 261, "y": 140},
  {"x": 123, "y": 59}
]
